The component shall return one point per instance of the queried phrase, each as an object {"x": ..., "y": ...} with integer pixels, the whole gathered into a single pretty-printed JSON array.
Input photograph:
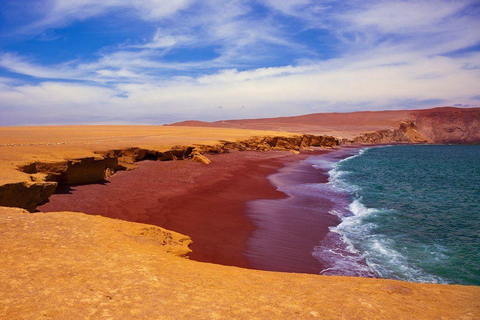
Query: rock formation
[
  {"x": 200, "y": 158},
  {"x": 407, "y": 132},
  {"x": 449, "y": 125},
  {"x": 440, "y": 125}
]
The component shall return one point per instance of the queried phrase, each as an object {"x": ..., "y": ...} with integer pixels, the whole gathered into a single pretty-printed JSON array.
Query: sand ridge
[{"x": 341, "y": 125}]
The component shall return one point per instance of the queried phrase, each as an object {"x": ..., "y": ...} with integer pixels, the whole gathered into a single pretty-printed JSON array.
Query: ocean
[{"x": 407, "y": 212}]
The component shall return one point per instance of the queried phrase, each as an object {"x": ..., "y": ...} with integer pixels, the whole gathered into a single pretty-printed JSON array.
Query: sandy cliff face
[
  {"x": 406, "y": 132},
  {"x": 26, "y": 195},
  {"x": 42, "y": 178}
]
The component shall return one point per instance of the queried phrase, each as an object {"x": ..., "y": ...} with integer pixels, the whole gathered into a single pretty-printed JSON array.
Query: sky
[{"x": 162, "y": 61}]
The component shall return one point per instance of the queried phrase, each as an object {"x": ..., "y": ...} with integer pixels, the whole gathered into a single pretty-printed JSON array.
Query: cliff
[
  {"x": 42, "y": 176},
  {"x": 449, "y": 125},
  {"x": 441, "y": 125}
]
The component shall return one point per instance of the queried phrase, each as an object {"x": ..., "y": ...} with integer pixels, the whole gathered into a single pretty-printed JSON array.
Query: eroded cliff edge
[{"x": 44, "y": 177}]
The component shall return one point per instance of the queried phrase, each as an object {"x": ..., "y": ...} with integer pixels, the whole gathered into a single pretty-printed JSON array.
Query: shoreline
[
  {"x": 237, "y": 210},
  {"x": 206, "y": 202},
  {"x": 293, "y": 226}
]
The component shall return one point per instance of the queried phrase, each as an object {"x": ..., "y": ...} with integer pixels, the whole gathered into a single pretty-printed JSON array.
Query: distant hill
[{"x": 444, "y": 124}]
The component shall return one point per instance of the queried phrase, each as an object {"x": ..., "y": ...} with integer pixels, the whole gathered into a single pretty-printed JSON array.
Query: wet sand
[
  {"x": 253, "y": 225},
  {"x": 290, "y": 227},
  {"x": 294, "y": 225}
]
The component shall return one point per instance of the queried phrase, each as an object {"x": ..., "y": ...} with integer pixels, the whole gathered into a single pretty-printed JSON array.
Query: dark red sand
[
  {"x": 290, "y": 227},
  {"x": 211, "y": 204}
]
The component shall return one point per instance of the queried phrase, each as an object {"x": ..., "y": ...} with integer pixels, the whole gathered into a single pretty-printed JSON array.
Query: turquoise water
[{"x": 413, "y": 214}]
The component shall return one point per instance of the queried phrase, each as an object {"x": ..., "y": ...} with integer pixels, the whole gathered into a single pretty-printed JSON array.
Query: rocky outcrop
[
  {"x": 71, "y": 172},
  {"x": 440, "y": 125},
  {"x": 45, "y": 177},
  {"x": 283, "y": 143},
  {"x": 449, "y": 125},
  {"x": 26, "y": 195},
  {"x": 200, "y": 158},
  {"x": 406, "y": 132}
]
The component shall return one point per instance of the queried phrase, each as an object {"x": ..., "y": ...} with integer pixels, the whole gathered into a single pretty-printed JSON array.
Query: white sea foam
[{"x": 353, "y": 247}]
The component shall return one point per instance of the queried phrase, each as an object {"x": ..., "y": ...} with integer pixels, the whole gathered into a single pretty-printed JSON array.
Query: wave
[{"x": 353, "y": 247}]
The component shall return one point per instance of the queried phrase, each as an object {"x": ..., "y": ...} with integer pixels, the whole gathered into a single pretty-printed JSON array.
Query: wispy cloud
[
  {"x": 163, "y": 39},
  {"x": 55, "y": 13}
]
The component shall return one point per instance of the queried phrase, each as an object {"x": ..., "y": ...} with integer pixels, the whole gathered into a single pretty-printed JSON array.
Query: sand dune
[{"x": 344, "y": 125}]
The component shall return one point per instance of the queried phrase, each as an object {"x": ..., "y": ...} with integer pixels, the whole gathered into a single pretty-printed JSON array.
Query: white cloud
[
  {"x": 373, "y": 83},
  {"x": 407, "y": 16},
  {"x": 54, "y": 13},
  {"x": 433, "y": 26},
  {"x": 21, "y": 65},
  {"x": 392, "y": 54},
  {"x": 162, "y": 39}
]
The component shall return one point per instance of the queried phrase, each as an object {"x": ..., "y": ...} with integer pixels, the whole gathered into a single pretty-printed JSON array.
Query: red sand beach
[
  {"x": 292, "y": 226},
  {"x": 200, "y": 200}
]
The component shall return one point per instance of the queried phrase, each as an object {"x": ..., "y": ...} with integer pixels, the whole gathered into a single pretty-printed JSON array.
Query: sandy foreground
[
  {"x": 65, "y": 265},
  {"x": 68, "y": 265}
]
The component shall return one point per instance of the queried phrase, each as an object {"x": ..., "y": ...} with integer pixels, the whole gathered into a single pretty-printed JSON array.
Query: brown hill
[{"x": 438, "y": 125}]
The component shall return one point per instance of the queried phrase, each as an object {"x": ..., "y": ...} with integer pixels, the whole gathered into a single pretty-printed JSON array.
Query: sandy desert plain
[{"x": 71, "y": 265}]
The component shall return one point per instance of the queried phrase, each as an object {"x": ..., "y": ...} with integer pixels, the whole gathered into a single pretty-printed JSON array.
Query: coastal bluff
[
  {"x": 35, "y": 161},
  {"x": 67, "y": 265}
]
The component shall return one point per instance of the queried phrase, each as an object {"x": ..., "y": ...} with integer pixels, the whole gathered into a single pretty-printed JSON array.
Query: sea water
[{"x": 407, "y": 212}]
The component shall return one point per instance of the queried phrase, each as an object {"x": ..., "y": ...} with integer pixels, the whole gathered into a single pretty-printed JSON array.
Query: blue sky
[{"x": 160, "y": 61}]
